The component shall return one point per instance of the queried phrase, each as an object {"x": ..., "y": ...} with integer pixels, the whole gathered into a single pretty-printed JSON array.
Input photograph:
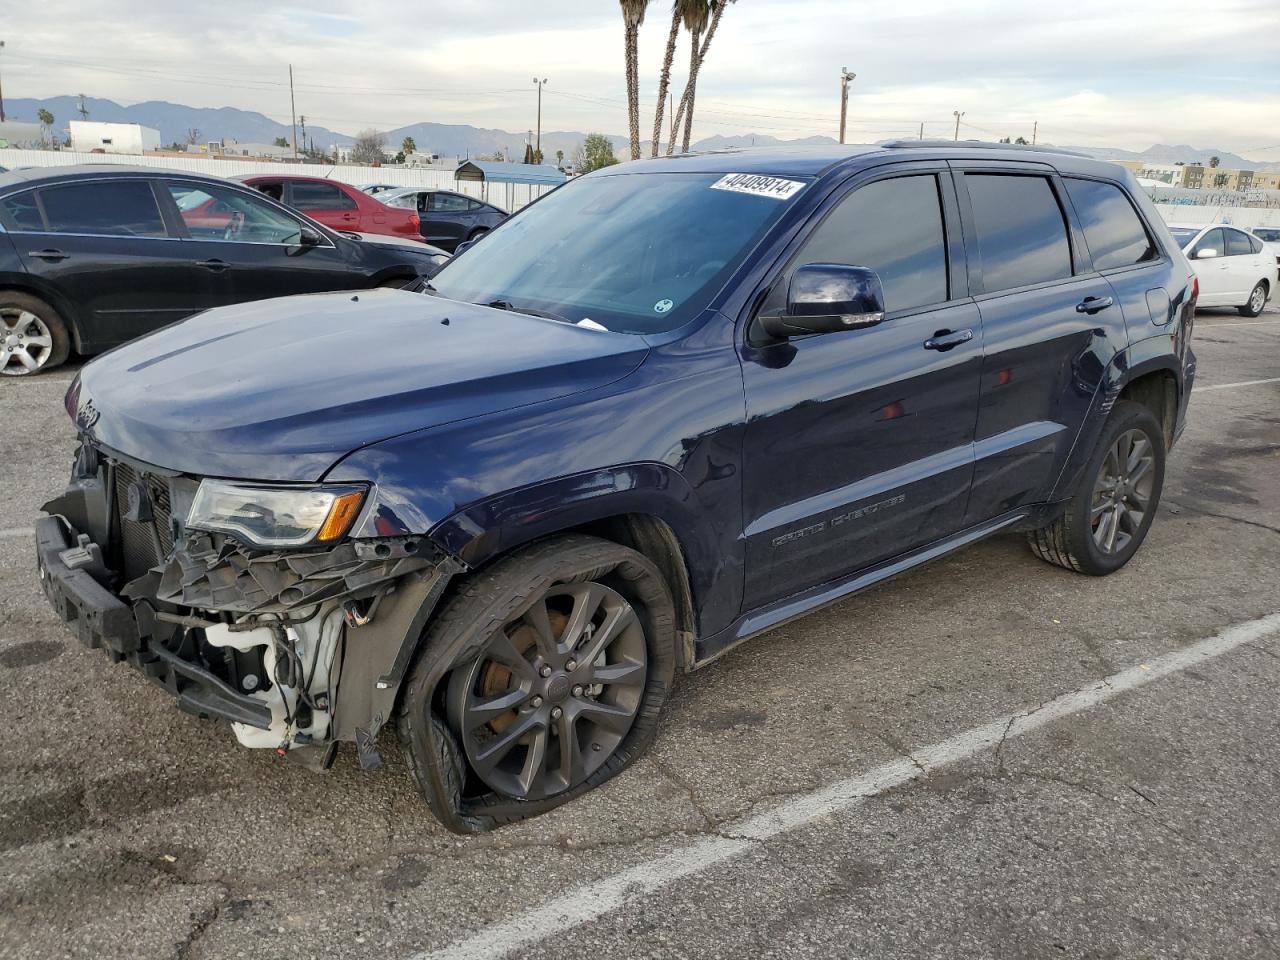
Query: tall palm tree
[
  {"x": 46, "y": 124},
  {"x": 715, "y": 10},
  {"x": 664, "y": 81},
  {"x": 695, "y": 15},
  {"x": 632, "y": 18}
]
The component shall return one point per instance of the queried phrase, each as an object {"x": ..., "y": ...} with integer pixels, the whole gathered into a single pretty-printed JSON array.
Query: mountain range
[{"x": 173, "y": 120}]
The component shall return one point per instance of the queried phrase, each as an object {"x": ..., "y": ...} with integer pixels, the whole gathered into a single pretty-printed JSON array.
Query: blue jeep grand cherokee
[{"x": 665, "y": 408}]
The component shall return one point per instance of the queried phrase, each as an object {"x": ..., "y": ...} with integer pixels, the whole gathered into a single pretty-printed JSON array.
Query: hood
[{"x": 282, "y": 389}]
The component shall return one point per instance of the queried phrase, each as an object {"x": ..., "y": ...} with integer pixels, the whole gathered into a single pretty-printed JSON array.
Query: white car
[{"x": 1234, "y": 267}]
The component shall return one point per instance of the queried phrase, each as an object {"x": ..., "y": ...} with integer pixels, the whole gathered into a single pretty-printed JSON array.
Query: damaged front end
[{"x": 298, "y": 647}]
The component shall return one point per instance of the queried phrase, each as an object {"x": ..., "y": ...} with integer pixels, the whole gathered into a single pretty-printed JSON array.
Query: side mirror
[
  {"x": 826, "y": 298},
  {"x": 309, "y": 237},
  {"x": 1206, "y": 253}
]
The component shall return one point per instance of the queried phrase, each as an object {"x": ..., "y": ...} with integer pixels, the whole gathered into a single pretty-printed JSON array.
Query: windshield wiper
[{"x": 544, "y": 314}]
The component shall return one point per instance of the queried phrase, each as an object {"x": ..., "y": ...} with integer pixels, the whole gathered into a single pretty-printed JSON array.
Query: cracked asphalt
[{"x": 1145, "y": 826}]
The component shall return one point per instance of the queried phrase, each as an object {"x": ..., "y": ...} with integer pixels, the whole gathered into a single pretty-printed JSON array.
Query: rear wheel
[
  {"x": 1109, "y": 516},
  {"x": 33, "y": 337},
  {"x": 1257, "y": 301},
  {"x": 477, "y": 234},
  {"x": 568, "y": 658}
]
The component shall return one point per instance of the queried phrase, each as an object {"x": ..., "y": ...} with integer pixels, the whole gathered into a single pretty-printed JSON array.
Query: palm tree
[
  {"x": 664, "y": 81},
  {"x": 407, "y": 146},
  {"x": 1214, "y": 161},
  {"x": 714, "y": 9},
  {"x": 46, "y": 123},
  {"x": 632, "y": 18}
]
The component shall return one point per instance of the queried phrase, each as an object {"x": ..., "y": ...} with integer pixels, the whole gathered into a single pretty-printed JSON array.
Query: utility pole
[
  {"x": 1, "y": 89},
  {"x": 293, "y": 113},
  {"x": 1035, "y": 129},
  {"x": 957, "y": 114},
  {"x": 84, "y": 111},
  {"x": 921, "y": 129},
  {"x": 537, "y": 147},
  {"x": 845, "y": 77},
  {"x": 302, "y": 122}
]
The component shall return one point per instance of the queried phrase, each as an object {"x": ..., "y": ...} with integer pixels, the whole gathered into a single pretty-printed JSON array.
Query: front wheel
[
  {"x": 33, "y": 338},
  {"x": 1257, "y": 301},
  {"x": 567, "y": 653},
  {"x": 1108, "y": 517}
]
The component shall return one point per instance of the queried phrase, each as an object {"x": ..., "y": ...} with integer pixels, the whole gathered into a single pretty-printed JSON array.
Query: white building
[{"x": 90, "y": 135}]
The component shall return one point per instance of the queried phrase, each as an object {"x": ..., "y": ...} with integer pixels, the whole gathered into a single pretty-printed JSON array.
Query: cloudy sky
[{"x": 1116, "y": 73}]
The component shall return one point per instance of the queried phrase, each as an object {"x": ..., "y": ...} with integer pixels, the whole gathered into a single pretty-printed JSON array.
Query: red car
[{"x": 338, "y": 206}]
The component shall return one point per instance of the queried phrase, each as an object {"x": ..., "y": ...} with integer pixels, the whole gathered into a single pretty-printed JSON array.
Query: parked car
[
  {"x": 339, "y": 206},
  {"x": 1233, "y": 266},
  {"x": 1270, "y": 237},
  {"x": 596, "y": 457},
  {"x": 93, "y": 256},
  {"x": 373, "y": 189},
  {"x": 447, "y": 219}
]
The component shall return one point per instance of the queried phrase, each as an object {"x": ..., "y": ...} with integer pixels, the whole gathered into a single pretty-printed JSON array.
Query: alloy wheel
[
  {"x": 1122, "y": 492},
  {"x": 26, "y": 343},
  {"x": 1258, "y": 299},
  {"x": 553, "y": 693}
]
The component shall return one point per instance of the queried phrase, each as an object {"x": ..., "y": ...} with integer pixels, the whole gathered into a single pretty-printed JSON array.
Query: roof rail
[{"x": 979, "y": 145}]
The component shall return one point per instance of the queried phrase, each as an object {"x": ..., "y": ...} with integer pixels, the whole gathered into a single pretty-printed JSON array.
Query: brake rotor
[{"x": 496, "y": 678}]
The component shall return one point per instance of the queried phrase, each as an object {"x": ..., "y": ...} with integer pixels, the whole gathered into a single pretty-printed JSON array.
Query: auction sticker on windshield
[{"x": 775, "y": 187}]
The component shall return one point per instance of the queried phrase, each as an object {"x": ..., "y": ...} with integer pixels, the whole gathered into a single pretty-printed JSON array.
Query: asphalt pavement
[{"x": 987, "y": 757}]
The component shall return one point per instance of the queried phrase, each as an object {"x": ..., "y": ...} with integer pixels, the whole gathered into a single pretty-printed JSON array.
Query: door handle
[
  {"x": 1092, "y": 305},
  {"x": 946, "y": 339},
  {"x": 53, "y": 256},
  {"x": 215, "y": 265}
]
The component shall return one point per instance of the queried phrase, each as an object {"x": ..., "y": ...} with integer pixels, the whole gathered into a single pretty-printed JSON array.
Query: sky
[{"x": 1114, "y": 74}]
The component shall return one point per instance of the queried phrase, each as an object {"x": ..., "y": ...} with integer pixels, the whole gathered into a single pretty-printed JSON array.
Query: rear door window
[
  {"x": 22, "y": 212},
  {"x": 1112, "y": 228},
  {"x": 448, "y": 203},
  {"x": 1022, "y": 236},
  {"x": 319, "y": 196},
  {"x": 1237, "y": 244},
  {"x": 115, "y": 208},
  {"x": 893, "y": 227}
]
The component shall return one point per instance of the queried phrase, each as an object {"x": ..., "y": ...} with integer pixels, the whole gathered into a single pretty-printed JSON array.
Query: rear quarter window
[
  {"x": 1112, "y": 228},
  {"x": 1022, "y": 236}
]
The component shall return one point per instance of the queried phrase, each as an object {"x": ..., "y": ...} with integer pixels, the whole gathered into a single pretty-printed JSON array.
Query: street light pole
[
  {"x": 845, "y": 77},
  {"x": 957, "y": 114},
  {"x": 1, "y": 89},
  {"x": 537, "y": 149}
]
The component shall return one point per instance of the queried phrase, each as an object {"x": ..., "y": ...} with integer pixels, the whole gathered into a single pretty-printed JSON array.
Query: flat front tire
[
  {"x": 33, "y": 337},
  {"x": 1108, "y": 517},
  {"x": 563, "y": 656}
]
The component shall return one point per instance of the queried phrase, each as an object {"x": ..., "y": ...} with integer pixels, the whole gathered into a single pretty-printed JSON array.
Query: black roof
[{"x": 81, "y": 171}]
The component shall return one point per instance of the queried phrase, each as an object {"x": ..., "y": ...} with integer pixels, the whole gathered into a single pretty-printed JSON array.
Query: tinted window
[
  {"x": 1268, "y": 235},
  {"x": 448, "y": 203},
  {"x": 218, "y": 213},
  {"x": 22, "y": 213},
  {"x": 893, "y": 227},
  {"x": 1021, "y": 234},
  {"x": 1237, "y": 244},
  {"x": 320, "y": 196},
  {"x": 1115, "y": 234},
  {"x": 124, "y": 208},
  {"x": 1184, "y": 235},
  {"x": 1213, "y": 240},
  {"x": 1256, "y": 244}
]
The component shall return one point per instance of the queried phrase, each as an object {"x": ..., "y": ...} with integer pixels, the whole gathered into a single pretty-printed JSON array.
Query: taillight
[
  {"x": 415, "y": 221},
  {"x": 1195, "y": 288}
]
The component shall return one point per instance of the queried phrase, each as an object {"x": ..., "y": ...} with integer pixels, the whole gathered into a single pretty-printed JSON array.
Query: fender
[
  {"x": 1137, "y": 360},
  {"x": 485, "y": 530},
  {"x": 37, "y": 287}
]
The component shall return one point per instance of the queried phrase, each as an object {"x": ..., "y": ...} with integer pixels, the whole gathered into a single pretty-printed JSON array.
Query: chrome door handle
[
  {"x": 946, "y": 339},
  {"x": 1092, "y": 305}
]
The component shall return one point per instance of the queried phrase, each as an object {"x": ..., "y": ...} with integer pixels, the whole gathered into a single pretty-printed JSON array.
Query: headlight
[{"x": 275, "y": 516}]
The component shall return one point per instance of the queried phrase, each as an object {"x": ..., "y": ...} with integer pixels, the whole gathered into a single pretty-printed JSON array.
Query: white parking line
[
  {"x": 598, "y": 898},
  {"x": 15, "y": 532},
  {"x": 1202, "y": 324},
  {"x": 1232, "y": 386}
]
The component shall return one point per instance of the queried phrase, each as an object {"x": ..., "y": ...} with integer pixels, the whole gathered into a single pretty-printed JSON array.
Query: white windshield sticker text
[{"x": 756, "y": 185}]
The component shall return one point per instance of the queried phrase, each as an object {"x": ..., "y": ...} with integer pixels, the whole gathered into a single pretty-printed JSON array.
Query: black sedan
[
  {"x": 447, "y": 219},
  {"x": 92, "y": 256}
]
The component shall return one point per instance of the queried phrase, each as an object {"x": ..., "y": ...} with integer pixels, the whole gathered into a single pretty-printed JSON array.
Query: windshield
[
  {"x": 1184, "y": 235},
  {"x": 1267, "y": 234},
  {"x": 634, "y": 253}
]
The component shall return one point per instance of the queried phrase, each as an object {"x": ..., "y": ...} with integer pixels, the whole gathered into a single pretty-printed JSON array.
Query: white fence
[
  {"x": 509, "y": 196},
  {"x": 1247, "y": 217}
]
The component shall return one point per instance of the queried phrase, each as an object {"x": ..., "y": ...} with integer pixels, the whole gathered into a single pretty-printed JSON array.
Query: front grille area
[{"x": 142, "y": 545}]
